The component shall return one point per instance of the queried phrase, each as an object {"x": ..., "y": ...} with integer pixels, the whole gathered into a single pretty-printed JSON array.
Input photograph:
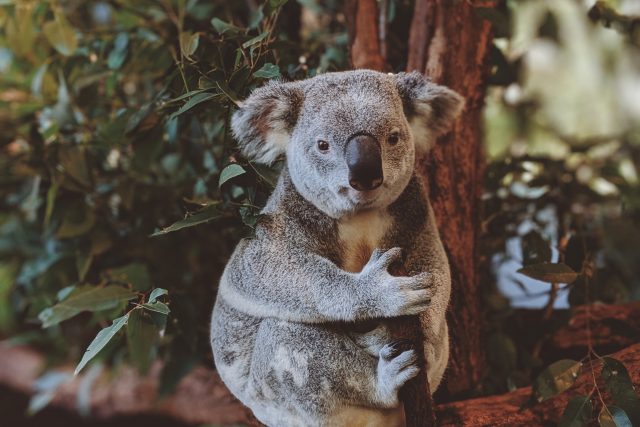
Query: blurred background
[{"x": 122, "y": 193}]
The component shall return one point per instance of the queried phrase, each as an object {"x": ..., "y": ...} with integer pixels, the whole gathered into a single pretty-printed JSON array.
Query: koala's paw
[
  {"x": 396, "y": 366},
  {"x": 396, "y": 295}
]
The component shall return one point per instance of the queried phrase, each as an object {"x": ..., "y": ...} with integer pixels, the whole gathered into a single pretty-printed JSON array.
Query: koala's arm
[{"x": 270, "y": 278}]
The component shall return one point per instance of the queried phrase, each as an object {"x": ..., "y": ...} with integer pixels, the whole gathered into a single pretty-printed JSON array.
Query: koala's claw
[
  {"x": 395, "y": 371},
  {"x": 395, "y": 348}
]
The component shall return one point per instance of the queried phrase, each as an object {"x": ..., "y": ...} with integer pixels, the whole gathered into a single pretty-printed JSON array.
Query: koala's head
[{"x": 350, "y": 138}]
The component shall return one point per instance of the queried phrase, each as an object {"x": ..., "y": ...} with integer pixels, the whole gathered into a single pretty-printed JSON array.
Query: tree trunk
[
  {"x": 449, "y": 44},
  {"x": 367, "y": 51},
  {"x": 509, "y": 410}
]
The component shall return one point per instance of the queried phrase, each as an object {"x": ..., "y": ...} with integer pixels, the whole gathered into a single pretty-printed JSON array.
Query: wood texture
[
  {"x": 362, "y": 18},
  {"x": 201, "y": 397},
  {"x": 449, "y": 44},
  {"x": 505, "y": 410}
]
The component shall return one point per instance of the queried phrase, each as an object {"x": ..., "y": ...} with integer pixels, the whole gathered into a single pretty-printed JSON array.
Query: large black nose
[{"x": 364, "y": 159}]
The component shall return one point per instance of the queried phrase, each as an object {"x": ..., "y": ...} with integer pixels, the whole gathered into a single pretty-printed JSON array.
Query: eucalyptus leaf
[
  {"x": 157, "y": 293},
  {"x": 157, "y": 307},
  {"x": 550, "y": 272},
  {"x": 268, "y": 71},
  {"x": 612, "y": 416},
  {"x": 100, "y": 341},
  {"x": 202, "y": 216},
  {"x": 85, "y": 298},
  {"x": 556, "y": 378},
  {"x": 192, "y": 102},
  {"x": 229, "y": 172},
  {"x": 61, "y": 34},
  {"x": 620, "y": 386},
  {"x": 255, "y": 40},
  {"x": 141, "y": 337},
  {"x": 222, "y": 27},
  {"x": 577, "y": 413}
]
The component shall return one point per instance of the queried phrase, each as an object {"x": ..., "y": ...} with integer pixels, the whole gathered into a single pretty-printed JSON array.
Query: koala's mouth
[{"x": 362, "y": 198}]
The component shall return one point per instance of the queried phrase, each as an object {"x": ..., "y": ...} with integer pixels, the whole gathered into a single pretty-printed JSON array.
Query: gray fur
[{"x": 298, "y": 330}]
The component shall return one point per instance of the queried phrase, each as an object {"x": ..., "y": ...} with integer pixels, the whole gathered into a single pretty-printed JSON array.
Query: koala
[{"x": 299, "y": 330}]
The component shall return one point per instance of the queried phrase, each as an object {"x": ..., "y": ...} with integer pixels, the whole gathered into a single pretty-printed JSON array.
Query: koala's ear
[
  {"x": 263, "y": 124},
  {"x": 430, "y": 108}
]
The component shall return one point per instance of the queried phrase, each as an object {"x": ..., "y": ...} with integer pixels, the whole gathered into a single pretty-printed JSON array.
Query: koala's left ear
[
  {"x": 430, "y": 108},
  {"x": 263, "y": 124}
]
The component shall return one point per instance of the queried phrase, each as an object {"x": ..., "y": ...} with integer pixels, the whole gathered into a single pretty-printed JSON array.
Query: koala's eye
[
  {"x": 323, "y": 145},
  {"x": 393, "y": 138}
]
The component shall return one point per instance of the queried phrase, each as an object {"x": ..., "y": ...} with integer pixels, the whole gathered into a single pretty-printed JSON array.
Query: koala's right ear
[
  {"x": 263, "y": 124},
  {"x": 430, "y": 108}
]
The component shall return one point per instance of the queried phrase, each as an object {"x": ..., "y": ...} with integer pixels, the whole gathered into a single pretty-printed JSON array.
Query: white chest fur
[{"x": 360, "y": 235}]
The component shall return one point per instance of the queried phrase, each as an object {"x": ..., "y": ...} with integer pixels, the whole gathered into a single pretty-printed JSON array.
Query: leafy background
[{"x": 122, "y": 194}]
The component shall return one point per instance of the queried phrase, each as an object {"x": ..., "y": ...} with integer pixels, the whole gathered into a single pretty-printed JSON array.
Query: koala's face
[{"x": 350, "y": 138}]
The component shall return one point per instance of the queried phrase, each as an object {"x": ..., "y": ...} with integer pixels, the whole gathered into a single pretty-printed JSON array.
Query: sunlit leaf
[
  {"x": 556, "y": 378},
  {"x": 189, "y": 43},
  {"x": 100, "y": 341},
  {"x": 157, "y": 293},
  {"x": 612, "y": 416},
  {"x": 229, "y": 172},
  {"x": 61, "y": 34}
]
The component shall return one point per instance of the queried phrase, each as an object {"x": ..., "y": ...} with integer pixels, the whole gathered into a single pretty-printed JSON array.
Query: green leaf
[
  {"x": 100, "y": 341},
  {"x": 202, "y": 216},
  {"x": 577, "y": 413},
  {"x": 158, "y": 307},
  {"x": 556, "y": 378},
  {"x": 141, "y": 337},
  {"x": 189, "y": 43},
  {"x": 78, "y": 220},
  {"x": 156, "y": 293},
  {"x": 136, "y": 274},
  {"x": 60, "y": 34},
  {"x": 86, "y": 298},
  {"x": 550, "y": 272},
  {"x": 268, "y": 71},
  {"x": 257, "y": 39},
  {"x": 119, "y": 52},
  {"x": 222, "y": 27},
  {"x": 620, "y": 386},
  {"x": 229, "y": 172},
  {"x": 612, "y": 416},
  {"x": 192, "y": 102}
]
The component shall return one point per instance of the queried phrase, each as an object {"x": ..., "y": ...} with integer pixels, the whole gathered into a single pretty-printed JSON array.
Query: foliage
[
  {"x": 563, "y": 139},
  {"x": 113, "y": 122}
]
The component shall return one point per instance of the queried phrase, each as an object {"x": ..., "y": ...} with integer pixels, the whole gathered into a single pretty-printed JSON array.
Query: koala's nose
[{"x": 364, "y": 159}]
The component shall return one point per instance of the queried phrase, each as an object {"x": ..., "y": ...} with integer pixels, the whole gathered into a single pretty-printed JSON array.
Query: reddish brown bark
[
  {"x": 505, "y": 410},
  {"x": 450, "y": 44},
  {"x": 362, "y": 16},
  {"x": 201, "y": 397}
]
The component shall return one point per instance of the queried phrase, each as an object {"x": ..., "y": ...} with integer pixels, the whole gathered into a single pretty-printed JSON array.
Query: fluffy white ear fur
[
  {"x": 263, "y": 125},
  {"x": 430, "y": 108}
]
